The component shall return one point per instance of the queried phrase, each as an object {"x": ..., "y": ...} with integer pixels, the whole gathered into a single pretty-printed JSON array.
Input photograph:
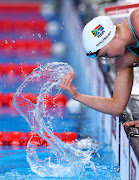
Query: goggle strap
[{"x": 94, "y": 53}]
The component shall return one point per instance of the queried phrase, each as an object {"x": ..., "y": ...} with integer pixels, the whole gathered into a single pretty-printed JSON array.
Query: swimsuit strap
[{"x": 132, "y": 29}]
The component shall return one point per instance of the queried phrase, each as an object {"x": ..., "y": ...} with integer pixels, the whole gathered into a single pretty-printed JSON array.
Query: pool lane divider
[
  {"x": 13, "y": 69},
  {"x": 19, "y": 138},
  {"x": 20, "y": 25},
  {"x": 34, "y": 8},
  {"x": 22, "y": 48},
  {"x": 58, "y": 100}
]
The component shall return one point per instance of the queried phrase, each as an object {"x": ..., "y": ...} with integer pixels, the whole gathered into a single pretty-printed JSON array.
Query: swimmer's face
[{"x": 114, "y": 49}]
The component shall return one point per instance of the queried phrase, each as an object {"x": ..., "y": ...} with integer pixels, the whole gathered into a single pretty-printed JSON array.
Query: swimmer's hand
[
  {"x": 131, "y": 123},
  {"x": 66, "y": 84}
]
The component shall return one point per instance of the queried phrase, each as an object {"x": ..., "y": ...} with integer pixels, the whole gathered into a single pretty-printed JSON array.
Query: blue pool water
[
  {"x": 13, "y": 160},
  {"x": 15, "y": 166}
]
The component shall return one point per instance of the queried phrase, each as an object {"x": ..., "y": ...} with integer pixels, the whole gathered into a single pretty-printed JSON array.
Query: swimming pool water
[
  {"x": 14, "y": 165},
  {"x": 13, "y": 161}
]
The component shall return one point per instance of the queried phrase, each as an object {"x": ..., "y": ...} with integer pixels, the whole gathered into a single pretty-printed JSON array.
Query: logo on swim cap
[
  {"x": 104, "y": 39},
  {"x": 98, "y": 31}
]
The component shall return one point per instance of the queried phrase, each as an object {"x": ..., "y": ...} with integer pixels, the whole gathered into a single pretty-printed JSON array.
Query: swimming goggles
[{"x": 93, "y": 55}]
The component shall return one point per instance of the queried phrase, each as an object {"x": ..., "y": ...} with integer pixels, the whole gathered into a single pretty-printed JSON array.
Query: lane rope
[{"x": 19, "y": 138}]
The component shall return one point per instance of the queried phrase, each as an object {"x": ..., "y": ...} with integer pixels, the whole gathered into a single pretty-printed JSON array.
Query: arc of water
[{"x": 46, "y": 77}]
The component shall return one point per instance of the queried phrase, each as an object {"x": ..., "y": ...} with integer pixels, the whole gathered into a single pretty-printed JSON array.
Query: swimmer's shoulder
[{"x": 134, "y": 18}]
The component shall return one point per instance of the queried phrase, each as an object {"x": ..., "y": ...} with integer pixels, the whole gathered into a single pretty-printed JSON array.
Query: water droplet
[
  {"x": 78, "y": 27},
  {"x": 6, "y": 42},
  {"x": 13, "y": 41},
  {"x": 39, "y": 35},
  {"x": 33, "y": 51}
]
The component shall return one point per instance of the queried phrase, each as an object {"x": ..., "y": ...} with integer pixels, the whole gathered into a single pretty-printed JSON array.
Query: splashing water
[{"x": 45, "y": 80}]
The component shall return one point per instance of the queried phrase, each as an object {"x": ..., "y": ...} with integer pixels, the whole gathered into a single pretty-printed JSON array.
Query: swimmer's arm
[
  {"x": 122, "y": 88},
  {"x": 121, "y": 92},
  {"x": 114, "y": 105},
  {"x": 119, "y": 100}
]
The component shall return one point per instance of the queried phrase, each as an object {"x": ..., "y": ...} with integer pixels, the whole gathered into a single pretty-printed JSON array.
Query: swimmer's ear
[{"x": 117, "y": 28}]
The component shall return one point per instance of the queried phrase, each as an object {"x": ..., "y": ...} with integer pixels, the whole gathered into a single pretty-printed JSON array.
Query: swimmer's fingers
[
  {"x": 66, "y": 84},
  {"x": 131, "y": 123},
  {"x": 137, "y": 125},
  {"x": 69, "y": 82},
  {"x": 65, "y": 80}
]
